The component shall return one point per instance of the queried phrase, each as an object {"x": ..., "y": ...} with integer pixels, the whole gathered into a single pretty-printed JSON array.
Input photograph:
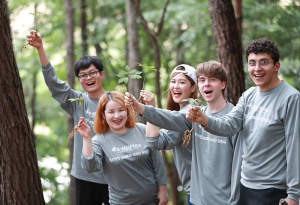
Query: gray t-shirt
[
  {"x": 270, "y": 121},
  {"x": 132, "y": 170},
  {"x": 182, "y": 156},
  {"x": 61, "y": 92},
  {"x": 216, "y": 161}
]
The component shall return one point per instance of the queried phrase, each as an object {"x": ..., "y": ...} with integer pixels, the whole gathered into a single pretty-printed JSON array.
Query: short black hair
[
  {"x": 263, "y": 45},
  {"x": 85, "y": 62}
]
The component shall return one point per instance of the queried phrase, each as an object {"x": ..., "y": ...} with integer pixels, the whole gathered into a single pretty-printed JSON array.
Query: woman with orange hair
[{"x": 135, "y": 173}]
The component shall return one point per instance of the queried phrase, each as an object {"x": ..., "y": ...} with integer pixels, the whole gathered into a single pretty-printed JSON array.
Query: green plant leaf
[
  {"x": 125, "y": 80},
  {"x": 193, "y": 101},
  {"x": 136, "y": 72},
  {"x": 122, "y": 74},
  {"x": 147, "y": 67},
  {"x": 136, "y": 76},
  {"x": 127, "y": 68}
]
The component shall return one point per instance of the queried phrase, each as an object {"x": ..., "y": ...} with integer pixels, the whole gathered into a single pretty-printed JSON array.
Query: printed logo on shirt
[
  {"x": 252, "y": 117},
  {"x": 127, "y": 156},
  {"x": 257, "y": 108},
  {"x": 91, "y": 114},
  {"x": 210, "y": 139},
  {"x": 126, "y": 148}
]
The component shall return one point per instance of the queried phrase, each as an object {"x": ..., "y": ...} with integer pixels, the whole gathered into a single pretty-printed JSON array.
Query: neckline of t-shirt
[
  {"x": 216, "y": 114},
  {"x": 271, "y": 90}
]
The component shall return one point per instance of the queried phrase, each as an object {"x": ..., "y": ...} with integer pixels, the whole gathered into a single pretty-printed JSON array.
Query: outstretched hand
[
  {"x": 83, "y": 129},
  {"x": 194, "y": 113},
  {"x": 148, "y": 97},
  {"x": 34, "y": 39}
]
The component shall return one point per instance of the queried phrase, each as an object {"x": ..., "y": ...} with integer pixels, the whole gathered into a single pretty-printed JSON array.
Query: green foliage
[
  {"x": 193, "y": 101},
  {"x": 128, "y": 73},
  {"x": 152, "y": 68},
  {"x": 80, "y": 102}
]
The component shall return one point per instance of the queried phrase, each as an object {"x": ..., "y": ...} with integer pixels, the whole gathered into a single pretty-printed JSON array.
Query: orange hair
[{"x": 100, "y": 124}]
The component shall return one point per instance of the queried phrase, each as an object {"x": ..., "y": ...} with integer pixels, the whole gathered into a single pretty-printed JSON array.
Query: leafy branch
[
  {"x": 128, "y": 73},
  {"x": 36, "y": 18}
]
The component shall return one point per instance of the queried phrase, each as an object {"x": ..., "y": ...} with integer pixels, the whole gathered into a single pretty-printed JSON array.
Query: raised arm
[
  {"x": 91, "y": 157},
  {"x": 149, "y": 99},
  {"x": 36, "y": 41},
  {"x": 85, "y": 132}
]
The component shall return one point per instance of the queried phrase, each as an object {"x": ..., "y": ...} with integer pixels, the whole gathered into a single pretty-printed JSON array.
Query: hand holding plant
[
  {"x": 83, "y": 129},
  {"x": 148, "y": 97},
  {"x": 34, "y": 40}
]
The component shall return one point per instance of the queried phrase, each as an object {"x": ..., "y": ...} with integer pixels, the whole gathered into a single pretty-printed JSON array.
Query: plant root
[
  {"x": 24, "y": 46},
  {"x": 187, "y": 137},
  {"x": 71, "y": 135}
]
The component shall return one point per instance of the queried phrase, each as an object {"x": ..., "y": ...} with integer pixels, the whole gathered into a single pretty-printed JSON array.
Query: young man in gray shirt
[
  {"x": 269, "y": 115},
  {"x": 216, "y": 161},
  {"x": 90, "y": 188}
]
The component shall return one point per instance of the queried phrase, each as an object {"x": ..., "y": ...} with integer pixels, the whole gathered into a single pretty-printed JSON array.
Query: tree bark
[
  {"x": 83, "y": 28},
  {"x": 33, "y": 99},
  {"x": 179, "y": 47},
  {"x": 69, "y": 21},
  {"x": 20, "y": 181},
  {"x": 133, "y": 52},
  {"x": 238, "y": 16},
  {"x": 228, "y": 47}
]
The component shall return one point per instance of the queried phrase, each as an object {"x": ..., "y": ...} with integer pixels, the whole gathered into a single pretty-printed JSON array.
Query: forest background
[{"x": 184, "y": 34}]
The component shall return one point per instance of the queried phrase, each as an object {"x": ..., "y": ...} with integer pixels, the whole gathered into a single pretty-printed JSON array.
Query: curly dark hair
[{"x": 263, "y": 45}]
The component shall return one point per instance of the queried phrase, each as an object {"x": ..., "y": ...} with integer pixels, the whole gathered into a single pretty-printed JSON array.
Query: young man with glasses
[
  {"x": 269, "y": 115},
  {"x": 90, "y": 188}
]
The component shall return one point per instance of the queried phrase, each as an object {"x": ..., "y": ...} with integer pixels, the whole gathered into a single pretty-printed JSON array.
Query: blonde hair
[{"x": 100, "y": 124}]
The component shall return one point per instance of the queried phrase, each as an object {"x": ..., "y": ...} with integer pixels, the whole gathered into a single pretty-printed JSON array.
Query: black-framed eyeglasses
[
  {"x": 262, "y": 64},
  {"x": 91, "y": 74}
]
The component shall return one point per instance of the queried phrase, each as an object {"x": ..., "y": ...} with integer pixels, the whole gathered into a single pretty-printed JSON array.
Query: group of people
[{"x": 238, "y": 155}]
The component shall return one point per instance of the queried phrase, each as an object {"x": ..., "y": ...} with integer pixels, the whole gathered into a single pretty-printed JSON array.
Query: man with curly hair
[{"x": 269, "y": 115}]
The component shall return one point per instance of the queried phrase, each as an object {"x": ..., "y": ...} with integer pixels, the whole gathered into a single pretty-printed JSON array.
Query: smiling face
[
  {"x": 181, "y": 88},
  {"x": 265, "y": 78},
  {"x": 116, "y": 116},
  {"x": 211, "y": 88},
  {"x": 92, "y": 85}
]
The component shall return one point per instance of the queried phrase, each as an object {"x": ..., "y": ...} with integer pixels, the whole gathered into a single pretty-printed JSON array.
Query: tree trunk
[
  {"x": 33, "y": 99},
  {"x": 133, "y": 52},
  {"x": 228, "y": 47},
  {"x": 179, "y": 46},
  {"x": 70, "y": 78},
  {"x": 238, "y": 16},
  {"x": 83, "y": 28},
  {"x": 20, "y": 181}
]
